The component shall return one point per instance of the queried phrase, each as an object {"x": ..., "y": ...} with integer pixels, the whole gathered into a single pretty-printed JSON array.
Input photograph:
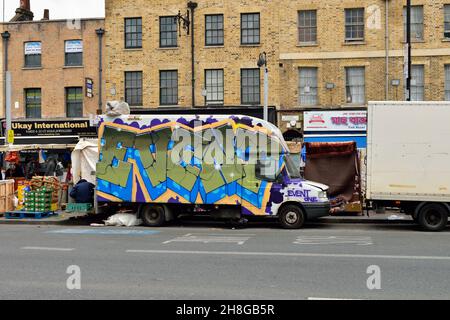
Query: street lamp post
[
  {"x": 6, "y": 85},
  {"x": 100, "y": 32},
  {"x": 262, "y": 62}
]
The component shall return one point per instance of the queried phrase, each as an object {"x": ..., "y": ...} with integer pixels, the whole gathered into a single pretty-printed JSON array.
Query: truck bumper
[{"x": 317, "y": 210}]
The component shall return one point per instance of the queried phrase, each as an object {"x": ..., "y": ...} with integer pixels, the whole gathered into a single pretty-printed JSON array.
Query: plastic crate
[{"x": 79, "y": 207}]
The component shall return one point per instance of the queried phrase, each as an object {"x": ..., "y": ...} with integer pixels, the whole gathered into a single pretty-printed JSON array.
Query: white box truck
[{"x": 408, "y": 159}]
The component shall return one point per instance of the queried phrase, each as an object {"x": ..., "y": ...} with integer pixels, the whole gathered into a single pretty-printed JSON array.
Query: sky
[{"x": 59, "y": 9}]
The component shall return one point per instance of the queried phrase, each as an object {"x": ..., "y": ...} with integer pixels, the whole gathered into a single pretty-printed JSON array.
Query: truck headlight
[{"x": 323, "y": 195}]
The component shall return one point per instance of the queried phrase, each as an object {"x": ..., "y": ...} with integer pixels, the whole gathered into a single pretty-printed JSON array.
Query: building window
[
  {"x": 250, "y": 25},
  {"x": 214, "y": 30},
  {"x": 250, "y": 86},
  {"x": 33, "y": 53},
  {"x": 355, "y": 85},
  {"x": 307, "y": 26},
  {"x": 308, "y": 86},
  {"x": 447, "y": 21},
  {"x": 133, "y": 88},
  {"x": 168, "y": 88},
  {"x": 168, "y": 32},
  {"x": 133, "y": 33},
  {"x": 417, "y": 83},
  {"x": 354, "y": 24},
  {"x": 214, "y": 87},
  {"x": 74, "y": 102},
  {"x": 74, "y": 53},
  {"x": 33, "y": 103},
  {"x": 416, "y": 23},
  {"x": 447, "y": 82}
]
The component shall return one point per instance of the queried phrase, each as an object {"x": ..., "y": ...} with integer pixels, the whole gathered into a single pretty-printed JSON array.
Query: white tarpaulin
[{"x": 84, "y": 160}]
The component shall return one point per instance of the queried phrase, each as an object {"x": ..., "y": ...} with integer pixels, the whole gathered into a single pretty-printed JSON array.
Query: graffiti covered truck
[{"x": 226, "y": 166}]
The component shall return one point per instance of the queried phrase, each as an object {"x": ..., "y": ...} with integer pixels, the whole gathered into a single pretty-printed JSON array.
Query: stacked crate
[{"x": 40, "y": 200}]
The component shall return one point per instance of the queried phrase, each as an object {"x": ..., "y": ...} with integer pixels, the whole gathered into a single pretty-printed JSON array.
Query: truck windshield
[{"x": 293, "y": 170}]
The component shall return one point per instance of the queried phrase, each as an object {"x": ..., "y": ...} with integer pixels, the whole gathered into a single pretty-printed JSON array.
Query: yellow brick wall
[
  {"x": 53, "y": 77},
  {"x": 279, "y": 38}
]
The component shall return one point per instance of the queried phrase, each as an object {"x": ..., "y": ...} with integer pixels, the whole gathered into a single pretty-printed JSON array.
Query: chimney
[
  {"x": 25, "y": 4},
  {"x": 46, "y": 15},
  {"x": 23, "y": 13}
]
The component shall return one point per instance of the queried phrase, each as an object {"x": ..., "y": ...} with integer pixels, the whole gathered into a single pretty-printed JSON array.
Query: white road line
[
  {"x": 334, "y": 240},
  {"x": 293, "y": 254},
  {"x": 330, "y": 299},
  {"x": 210, "y": 238},
  {"x": 47, "y": 249}
]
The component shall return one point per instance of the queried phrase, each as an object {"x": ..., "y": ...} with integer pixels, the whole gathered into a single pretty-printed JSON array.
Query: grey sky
[{"x": 59, "y": 9}]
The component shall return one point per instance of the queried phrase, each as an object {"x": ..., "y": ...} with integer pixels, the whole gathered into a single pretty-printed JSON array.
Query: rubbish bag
[
  {"x": 123, "y": 220},
  {"x": 117, "y": 108}
]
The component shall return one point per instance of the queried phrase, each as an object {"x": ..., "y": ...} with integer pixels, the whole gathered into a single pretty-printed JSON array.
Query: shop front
[{"x": 336, "y": 126}]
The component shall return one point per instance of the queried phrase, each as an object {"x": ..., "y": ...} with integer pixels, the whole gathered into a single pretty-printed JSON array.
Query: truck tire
[
  {"x": 292, "y": 217},
  {"x": 433, "y": 217},
  {"x": 152, "y": 215}
]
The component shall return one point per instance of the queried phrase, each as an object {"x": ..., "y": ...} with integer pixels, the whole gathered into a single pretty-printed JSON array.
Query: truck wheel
[
  {"x": 152, "y": 215},
  {"x": 292, "y": 217},
  {"x": 433, "y": 217}
]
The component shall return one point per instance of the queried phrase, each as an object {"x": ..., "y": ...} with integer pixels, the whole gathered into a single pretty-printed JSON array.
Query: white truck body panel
[{"x": 408, "y": 151}]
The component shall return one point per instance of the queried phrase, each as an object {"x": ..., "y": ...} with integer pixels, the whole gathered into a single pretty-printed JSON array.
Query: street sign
[
  {"x": 11, "y": 136},
  {"x": 89, "y": 88}
]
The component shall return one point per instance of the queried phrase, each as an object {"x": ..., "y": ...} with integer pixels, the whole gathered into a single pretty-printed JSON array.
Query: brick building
[
  {"x": 51, "y": 62},
  {"x": 322, "y": 54}
]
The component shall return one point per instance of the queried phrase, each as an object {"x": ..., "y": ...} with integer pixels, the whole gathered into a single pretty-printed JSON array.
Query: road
[{"x": 212, "y": 261}]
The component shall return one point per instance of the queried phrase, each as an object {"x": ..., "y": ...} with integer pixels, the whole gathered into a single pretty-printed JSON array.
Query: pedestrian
[{"x": 83, "y": 192}]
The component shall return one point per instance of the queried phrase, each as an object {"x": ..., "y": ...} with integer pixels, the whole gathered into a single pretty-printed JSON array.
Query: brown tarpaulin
[{"x": 334, "y": 164}]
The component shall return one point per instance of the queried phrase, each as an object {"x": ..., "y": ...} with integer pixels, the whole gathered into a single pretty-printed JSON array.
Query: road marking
[
  {"x": 47, "y": 249},
  {"x": 334, "y": 240},
  {"x": 105, "y": 232},
  {"x": 293, "y": 254},
  {"x": 331, "y": 299},
  {"x": 211, "y": 238}
]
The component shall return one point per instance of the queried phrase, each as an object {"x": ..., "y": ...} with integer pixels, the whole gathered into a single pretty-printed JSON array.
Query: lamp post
[
  {"x": 100, "y": 32},
  {"x": 7, "y": 85},
  {"x": 262, "y": 62}
]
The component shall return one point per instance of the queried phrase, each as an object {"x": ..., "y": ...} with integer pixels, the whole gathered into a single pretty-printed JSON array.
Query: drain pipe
[
  {"x": 387, "y": 49},
  {"x": 100, "y": 32},
  {"x": 192, "y": 6}
]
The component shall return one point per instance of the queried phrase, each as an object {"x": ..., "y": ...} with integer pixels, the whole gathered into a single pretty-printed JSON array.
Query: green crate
[{"x": 79, "y": 207}]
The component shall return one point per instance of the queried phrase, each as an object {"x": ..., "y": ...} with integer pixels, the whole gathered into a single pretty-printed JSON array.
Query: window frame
[
  {"x": 28, "y": 65},
  {"x": 29, "y": 115},
  {"x": 417, "y": 88},
  {"x": 312, "y": 28},
  {"x": 421, "y": 24},
  {"x": 316, "y": 87},
  {"x": 447, "y": 82},
  {"x": 138, "y": 39},
  {"x": 354, "y": 24},
  {"x": 75, "y": 102},
  {"x": 175, "y": 98},
  {"x": 348, "y": 86},
  {"x": 218, "y": 30},
  {"x": 79, "y": 62},
  {"x": 161, "y": 32},
  {"x": 140, "y": 98},
  {"x": 251, "y": 102},
  {"x": 253, "y": 29},
  {"x": 447, "y": 21},
  {"x": 220, "y": 90}
]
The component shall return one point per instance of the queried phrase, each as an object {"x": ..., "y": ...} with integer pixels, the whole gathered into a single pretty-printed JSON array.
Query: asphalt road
[{"x": 204, "y": 261}]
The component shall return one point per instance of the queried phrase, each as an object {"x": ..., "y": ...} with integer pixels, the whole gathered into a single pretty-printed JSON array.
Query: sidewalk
[
  {"x": 373, "y": 217},
  {"x": 85, "y": 220}
]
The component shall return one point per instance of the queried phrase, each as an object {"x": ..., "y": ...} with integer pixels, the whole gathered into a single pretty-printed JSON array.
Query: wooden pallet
[{"x": 27, "y": 215}]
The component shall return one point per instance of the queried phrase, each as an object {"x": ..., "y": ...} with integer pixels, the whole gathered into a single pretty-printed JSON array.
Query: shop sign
[
  {"x": 335, "y": 121},
  {"x": 49, "y": 128}
]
